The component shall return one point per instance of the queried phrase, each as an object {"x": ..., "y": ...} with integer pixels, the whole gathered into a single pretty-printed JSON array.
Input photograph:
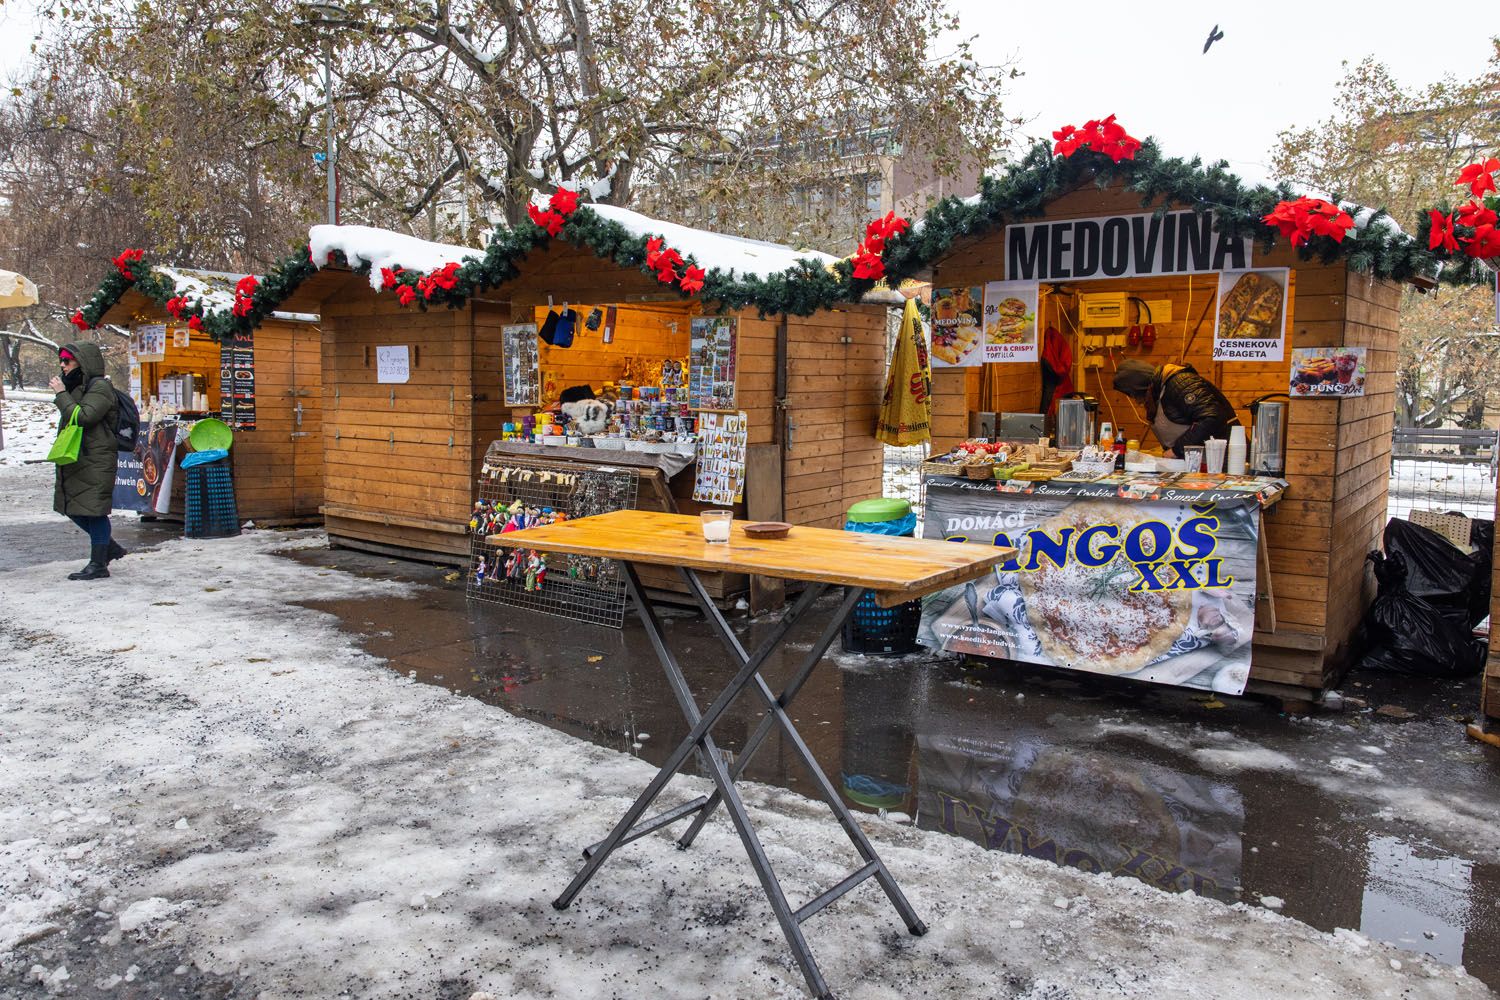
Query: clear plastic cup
[
  {"x": 1192, "y": 455},
  {"x": 1213, "y": 455},
  {"x": 716, "y": 525}
]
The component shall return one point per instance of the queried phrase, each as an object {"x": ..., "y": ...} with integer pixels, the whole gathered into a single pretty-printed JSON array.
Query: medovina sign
[{"x": 1122, "y": 246}]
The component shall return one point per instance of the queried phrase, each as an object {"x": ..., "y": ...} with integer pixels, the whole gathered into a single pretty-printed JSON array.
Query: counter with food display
[{"x": 1146, "y": 575}]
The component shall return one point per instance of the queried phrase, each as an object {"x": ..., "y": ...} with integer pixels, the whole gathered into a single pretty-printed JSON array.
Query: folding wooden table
[{"x": 896, "y": 569}]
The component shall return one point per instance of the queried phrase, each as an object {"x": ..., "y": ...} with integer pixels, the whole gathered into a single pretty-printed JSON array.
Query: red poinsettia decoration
[
  {"x": 1441, "y": 233},
  {"x": 1304, "y": 218},
  {"x": 405, "y": 294},
  {"x": 1485, "y": 243},
  {"x": 195, "y": 323},
  {"x": 1476, "y": 214},
  {"x": 548, "y": 220},
  {"x": 867, "y": 260},
  {"x": 444, "y": 279},
  {"x": 663, "y": 260},
  {"x": 563, "y": 202},
  {"x": 389, "y": 277},
  {"x": 176, "y": 305},
  {"x": 1104, "y": 135},
  {"x": 1479, "y": 176},
  {"x": 692, "y": 280},
  {"x": 125, "y": 259},
  {"x": 77, "y": 320},
  {"x": 868, "y": 265},
  {"x": 244, "y": 294}
]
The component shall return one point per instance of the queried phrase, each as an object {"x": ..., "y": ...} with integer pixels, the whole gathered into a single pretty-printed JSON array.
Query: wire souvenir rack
[{"x": 516, "y": 493}]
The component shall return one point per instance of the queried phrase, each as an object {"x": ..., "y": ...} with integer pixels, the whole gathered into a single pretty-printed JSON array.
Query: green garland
[
  {"x": 1028, "y": 187},
  {"x": 1023, "y": 192}
]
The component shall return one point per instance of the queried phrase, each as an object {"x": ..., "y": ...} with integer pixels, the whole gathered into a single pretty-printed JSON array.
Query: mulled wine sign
[{"x": 1122, "y": 246}]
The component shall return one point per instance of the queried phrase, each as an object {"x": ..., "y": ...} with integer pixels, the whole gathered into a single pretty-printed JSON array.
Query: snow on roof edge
[
  {"x": 742, "y": 257},
  {"x": 381, "y": 248}
]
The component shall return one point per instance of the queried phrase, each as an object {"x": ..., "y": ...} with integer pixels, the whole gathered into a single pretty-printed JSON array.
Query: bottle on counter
[{"x": 1106, "y": 436}]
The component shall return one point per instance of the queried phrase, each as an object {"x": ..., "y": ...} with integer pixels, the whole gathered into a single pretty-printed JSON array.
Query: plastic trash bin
[
  {"x": 874, "y": 630},
  {"x": 209, "y": 510}
]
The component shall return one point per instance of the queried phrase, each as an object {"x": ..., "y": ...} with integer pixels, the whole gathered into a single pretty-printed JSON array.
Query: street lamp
[{"x": 329, "y": 157}]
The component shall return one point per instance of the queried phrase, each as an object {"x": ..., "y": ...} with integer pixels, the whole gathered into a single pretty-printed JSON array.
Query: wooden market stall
[
  {"x": 403, "y": 449},
  {"x": 276, "y": 410},
  {"x": 1489, "y": 701},
  {"x": 1314, "y": 585}
]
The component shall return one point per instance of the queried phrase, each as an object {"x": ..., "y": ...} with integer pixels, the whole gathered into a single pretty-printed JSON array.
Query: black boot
[
  {"x": 98, "y": 567},
  {"x": 116, "y": 551}
]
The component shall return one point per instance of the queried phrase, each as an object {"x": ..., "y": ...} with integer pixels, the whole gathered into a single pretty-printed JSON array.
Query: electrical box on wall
[{"x": 1102, "y": 309}]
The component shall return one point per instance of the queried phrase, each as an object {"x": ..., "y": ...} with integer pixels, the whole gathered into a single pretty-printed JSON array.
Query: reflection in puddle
[
  {"x": 1418, "y": 900},
  {"x": 1097, "y": 812},
  {"x": 1033, "y": 776}
]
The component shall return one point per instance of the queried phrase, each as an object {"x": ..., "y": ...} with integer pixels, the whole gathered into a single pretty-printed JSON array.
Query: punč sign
[{"x": 1122, "y": 246}]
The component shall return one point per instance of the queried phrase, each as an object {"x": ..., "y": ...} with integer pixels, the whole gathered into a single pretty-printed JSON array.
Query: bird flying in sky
[{"x": 1213, "y": 36}]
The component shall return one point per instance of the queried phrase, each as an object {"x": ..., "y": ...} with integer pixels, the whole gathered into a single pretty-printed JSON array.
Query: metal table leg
[{"x": 698, "y": 739}]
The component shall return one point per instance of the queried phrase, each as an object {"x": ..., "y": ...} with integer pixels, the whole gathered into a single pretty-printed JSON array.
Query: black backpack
[{"x": 127, "y": 418}]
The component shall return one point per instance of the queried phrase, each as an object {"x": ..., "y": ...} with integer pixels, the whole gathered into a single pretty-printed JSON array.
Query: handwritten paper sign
[{"x": 392, "y": 364}]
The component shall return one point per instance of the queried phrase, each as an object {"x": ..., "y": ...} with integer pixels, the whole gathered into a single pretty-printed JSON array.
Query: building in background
[{"x": 817, "y": 192}]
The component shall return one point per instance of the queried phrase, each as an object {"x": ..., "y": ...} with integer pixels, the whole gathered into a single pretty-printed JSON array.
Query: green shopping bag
[{"x": 65, "y": 448}]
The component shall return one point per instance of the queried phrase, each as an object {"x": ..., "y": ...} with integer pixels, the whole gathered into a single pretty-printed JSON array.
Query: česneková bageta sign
[{"x": 1122, "y": 246}]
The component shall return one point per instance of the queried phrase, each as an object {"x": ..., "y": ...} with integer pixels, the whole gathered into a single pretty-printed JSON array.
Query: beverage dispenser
[
  {"x": 1268, "y": 435},
  {"x": 1075, "y": 422}
]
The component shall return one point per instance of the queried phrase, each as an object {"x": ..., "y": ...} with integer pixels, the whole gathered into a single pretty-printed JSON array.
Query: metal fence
[
  {"x": 903, "y": 476},
  {"x": 1443, "y": 471}
]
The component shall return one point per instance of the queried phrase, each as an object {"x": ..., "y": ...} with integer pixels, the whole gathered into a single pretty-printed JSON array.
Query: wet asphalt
[
  {"x": 1097, "y": 773},
  {"x": 1093, "y": 772}
]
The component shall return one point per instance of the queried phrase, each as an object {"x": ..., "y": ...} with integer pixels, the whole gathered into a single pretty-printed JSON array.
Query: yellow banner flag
[{"x": 906, "y": 410}]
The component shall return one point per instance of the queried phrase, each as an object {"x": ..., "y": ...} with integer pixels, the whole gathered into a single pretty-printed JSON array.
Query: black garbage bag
[
  {"x": 1437, "y": 571},
  {"x": 1431, "y": 635}
]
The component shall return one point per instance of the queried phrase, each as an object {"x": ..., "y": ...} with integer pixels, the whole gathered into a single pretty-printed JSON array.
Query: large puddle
[{"x": 1096, "y": 775}]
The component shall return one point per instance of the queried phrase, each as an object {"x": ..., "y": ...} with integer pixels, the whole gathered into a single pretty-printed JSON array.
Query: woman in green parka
[{"x": 85, "y": 488}]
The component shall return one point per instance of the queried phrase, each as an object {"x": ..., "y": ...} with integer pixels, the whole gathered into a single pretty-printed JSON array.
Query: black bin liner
[{"x": 1430, "y": 596}]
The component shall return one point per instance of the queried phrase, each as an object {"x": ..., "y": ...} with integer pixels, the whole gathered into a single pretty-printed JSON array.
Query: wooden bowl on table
[{"x": 767, "y": 529}]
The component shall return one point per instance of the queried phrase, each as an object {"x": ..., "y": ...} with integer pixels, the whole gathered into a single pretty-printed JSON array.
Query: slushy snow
[{"x": 351, "y": 833}]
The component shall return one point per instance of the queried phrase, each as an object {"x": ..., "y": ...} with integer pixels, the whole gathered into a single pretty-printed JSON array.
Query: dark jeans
[{"x": 97, "y": 526}]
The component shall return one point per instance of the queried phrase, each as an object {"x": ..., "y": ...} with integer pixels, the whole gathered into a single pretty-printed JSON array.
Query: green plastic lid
[
  {"x": 882, "y": 509},
  {"x": 210, "y": 434}
]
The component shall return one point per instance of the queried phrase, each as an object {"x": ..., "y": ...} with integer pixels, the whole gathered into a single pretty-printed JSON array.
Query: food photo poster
[{"x": 1320, "y": 372}]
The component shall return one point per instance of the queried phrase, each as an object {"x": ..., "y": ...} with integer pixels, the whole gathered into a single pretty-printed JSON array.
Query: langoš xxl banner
[{"x": 1160, "y": 591}]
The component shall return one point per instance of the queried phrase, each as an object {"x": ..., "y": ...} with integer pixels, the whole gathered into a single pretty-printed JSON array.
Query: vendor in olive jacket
[
  {"x": 1182, "y": 407},
  {"x": 85, "y": 488}
]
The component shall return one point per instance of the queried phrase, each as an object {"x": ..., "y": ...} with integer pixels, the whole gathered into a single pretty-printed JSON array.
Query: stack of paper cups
[{"x": 1236, "y": 459}]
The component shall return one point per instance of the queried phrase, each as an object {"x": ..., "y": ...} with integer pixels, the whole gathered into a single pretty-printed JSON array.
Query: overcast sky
[{"x": 1276, "y": 66}]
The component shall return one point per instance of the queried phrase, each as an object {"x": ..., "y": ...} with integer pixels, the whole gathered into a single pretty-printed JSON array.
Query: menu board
[
  {"x": 522, "y": 374},
  {"x": 712, "y": 362},
  {"x": 237, "y": 380},
  {"x": 722, "y": 438},
  {"x": 957, "y": 340},
  {"x": 149, "y": 342}
]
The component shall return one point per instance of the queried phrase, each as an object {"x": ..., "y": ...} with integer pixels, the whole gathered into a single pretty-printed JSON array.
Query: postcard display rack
[{"x": 517, "y": 493}]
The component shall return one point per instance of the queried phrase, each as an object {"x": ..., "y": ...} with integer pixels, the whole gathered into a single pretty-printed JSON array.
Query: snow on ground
[
  {"x": 30, "y": 427},
  {"x": 198, "y": 765}
]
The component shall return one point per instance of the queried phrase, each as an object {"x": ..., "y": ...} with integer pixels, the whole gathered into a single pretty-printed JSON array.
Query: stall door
[{"x": 306, "y": 399}]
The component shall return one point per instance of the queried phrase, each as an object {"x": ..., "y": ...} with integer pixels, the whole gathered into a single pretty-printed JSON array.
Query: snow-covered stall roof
[
  {"x": 745, "y": 258},
  {"x": 213, "y": 290},
  {"x": 381, "y": 248}
]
